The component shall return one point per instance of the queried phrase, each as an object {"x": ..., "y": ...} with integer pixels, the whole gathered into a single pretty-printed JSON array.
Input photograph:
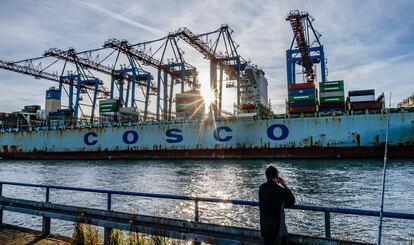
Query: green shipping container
[
  {"x": 332, "y": 99},
  {"x": 107, "y": 107},
  {"x": 331, "y": 83},
  {"x": 331, "y": 88},
  {"x": 301, "y": 97}
]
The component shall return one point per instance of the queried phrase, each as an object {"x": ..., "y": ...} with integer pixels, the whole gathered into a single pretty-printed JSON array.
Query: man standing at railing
[{"x": 274, "y": 196}]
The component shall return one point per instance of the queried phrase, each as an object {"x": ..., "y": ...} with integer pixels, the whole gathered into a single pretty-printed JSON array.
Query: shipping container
[
  {"x": 301, "y": 85},
  {"x": 372, "y": 105},
  {"x": 301, "y": 97},
  {"x": 31, "y": 108},
  {"x": 332, "y": 105},
  {"x": 302, "y": 109},
  {"x": 111, "y": 105},
  {"x": 362, "y": 98},
  {"x": 332, "y": 99},
  {"x": 331, "y": 83},
  {"x": 332, "y": 94},
  {"x": 331, "y": 89},
  {"x": 302, "y": 102},
  {"x": 301, "y": 91},
  {"x": 361, "y": 92}
]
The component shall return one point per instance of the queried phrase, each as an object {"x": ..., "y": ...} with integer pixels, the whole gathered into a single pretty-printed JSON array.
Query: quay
[{"x": 195, "y": 230}]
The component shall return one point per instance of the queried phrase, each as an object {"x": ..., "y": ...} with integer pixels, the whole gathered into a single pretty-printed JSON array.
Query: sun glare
[{"x": 208, "y": 95}]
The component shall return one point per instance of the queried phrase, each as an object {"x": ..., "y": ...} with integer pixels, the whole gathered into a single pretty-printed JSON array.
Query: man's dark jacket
[{"x": 271, "y": 197}]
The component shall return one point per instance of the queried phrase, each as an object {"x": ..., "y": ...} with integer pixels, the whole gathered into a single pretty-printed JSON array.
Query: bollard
[
  {"x": 46, "y": 220},
  {"x": 107, "y": 230},
  {"x": 327, "y": 224}
]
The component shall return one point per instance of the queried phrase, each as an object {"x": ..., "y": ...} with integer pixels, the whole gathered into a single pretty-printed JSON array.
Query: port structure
[
  {"x": 226, "y": 60},
  {"x": 305, "y": 50},
  {"x": 82, "y": 80},
  {"x": 131, "y": 75},
  {"x": 217, "y": 46},
  {"x": 176, "y": 68}
]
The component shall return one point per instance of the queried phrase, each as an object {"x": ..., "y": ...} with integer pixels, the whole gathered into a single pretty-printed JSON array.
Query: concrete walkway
[{"x": 12, "y": 235}]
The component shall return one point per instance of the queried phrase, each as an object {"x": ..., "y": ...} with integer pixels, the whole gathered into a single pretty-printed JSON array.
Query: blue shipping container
[{"x": 301, "y": 91}]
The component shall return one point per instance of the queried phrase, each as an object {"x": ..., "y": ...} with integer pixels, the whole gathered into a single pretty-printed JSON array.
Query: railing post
[
  {"x": 1, "y": 210},
  {"x": 46, "y": 220},
  {"x": 196, "y": 218},
  {"x": 196, "y": 215},
  {"x": 327, "y": 224},
  {"x": 107, "y": 230}
]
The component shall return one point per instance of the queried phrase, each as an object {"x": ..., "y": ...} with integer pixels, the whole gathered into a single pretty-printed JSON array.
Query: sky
[{"x": 368, "y": 44}]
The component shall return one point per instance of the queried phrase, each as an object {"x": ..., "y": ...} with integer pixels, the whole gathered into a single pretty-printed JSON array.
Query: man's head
[{"x": 271, "y": 172}]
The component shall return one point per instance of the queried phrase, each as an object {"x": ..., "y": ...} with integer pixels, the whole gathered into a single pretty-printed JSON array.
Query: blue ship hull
[{"x": 351, "y": 136}]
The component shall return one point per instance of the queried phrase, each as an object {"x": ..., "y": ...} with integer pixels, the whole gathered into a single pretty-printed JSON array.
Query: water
[{"x": 340, "y": 183}]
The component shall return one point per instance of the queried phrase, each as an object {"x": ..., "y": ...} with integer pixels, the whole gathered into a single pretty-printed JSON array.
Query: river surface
[{"x": 339, "y": 183}]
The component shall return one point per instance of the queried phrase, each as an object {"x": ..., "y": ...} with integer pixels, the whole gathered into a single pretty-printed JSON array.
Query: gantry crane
[
  {"x": 308, "y": 50},
  {"x": 134, "y": 75},
  {"x": 178, "y": 69},
  {"x": 228, "y": 59},
  {"x": 81, "y": 81}
]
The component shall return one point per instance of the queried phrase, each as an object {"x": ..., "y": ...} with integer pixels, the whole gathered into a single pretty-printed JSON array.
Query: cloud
[
  {"x": 367, "y": 46},
  {"x": 122, "y": 18}
]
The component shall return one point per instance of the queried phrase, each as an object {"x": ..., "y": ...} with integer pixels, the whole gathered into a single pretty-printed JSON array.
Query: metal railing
[{"x": 326, "y": 210}]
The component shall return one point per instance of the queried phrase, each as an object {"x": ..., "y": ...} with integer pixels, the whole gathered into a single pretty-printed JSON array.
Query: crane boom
[
  {"x": 38, "y": 74},
  {"x": 72, "y": 57},
  {"x": 195, "y": 41},
  {"x": 127, "y": 48},
  {"x": 297, "y": 21}
]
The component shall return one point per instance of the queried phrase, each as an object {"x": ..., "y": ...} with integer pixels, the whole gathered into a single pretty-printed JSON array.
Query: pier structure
[{"x": 195, "y": 230}]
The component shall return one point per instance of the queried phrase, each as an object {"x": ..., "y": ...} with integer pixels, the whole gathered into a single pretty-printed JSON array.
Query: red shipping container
[
  {"x": 373, "y": 105},
  {"x": 332, "y": 105},
  {"x": 301, "y": 85},
  {"x": 302, "y": 109}
]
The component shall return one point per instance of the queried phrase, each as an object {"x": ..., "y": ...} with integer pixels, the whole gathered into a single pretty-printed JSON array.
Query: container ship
[{"x": 321, "y": 119}]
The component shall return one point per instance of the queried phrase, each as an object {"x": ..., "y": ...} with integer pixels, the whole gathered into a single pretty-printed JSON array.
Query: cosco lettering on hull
[{"x": 174, "y": 135}]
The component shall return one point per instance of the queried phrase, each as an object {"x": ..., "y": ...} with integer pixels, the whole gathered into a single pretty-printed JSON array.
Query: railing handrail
[{"x": 364, "y": 212}]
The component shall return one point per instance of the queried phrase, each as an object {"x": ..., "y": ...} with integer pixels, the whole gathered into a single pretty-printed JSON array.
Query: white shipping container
[
  {"x": 362, "y": 98},
  {"x": 128, "y": 110},
  {"x": 331, "y": 94}
]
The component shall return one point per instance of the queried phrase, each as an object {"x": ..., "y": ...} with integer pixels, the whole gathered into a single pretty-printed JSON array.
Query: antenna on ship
[{"x": 384, "y": 173}]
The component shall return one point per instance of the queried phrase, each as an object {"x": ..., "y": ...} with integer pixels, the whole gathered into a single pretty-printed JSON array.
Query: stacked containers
[
  {"x": 189, "y": 105},
  {"x": 8, "y": 120},
  {"x": 364, "y": 99},
  {"x": 109, "y": 110},
  {"x": 63, "y": 116},
  {"x": 302, "y": 98},
  {"x": 332, "y": 96}
]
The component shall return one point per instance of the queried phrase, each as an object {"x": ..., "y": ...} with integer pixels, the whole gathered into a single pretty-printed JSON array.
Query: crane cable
[{"x": 384, "y": 173}]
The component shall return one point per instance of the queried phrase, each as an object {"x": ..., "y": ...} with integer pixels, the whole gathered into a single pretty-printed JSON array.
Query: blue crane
[
  {"x": 83, "y": 82},
  {"x": 178, "y": 70},
  {"x": 308, "y": 49}
]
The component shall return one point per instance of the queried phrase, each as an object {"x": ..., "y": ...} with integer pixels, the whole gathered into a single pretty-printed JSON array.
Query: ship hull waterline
[{"x": 286, "y": 153}]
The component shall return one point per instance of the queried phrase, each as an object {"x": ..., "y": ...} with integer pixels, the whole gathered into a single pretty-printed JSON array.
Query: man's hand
[{"x": 281, "y": 181}]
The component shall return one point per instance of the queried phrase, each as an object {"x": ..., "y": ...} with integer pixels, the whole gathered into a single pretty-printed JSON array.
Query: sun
[{"x": 208, "y": 95}]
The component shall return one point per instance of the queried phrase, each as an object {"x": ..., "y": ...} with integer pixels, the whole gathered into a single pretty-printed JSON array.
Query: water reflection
[{"x": 343, "y": 183}]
